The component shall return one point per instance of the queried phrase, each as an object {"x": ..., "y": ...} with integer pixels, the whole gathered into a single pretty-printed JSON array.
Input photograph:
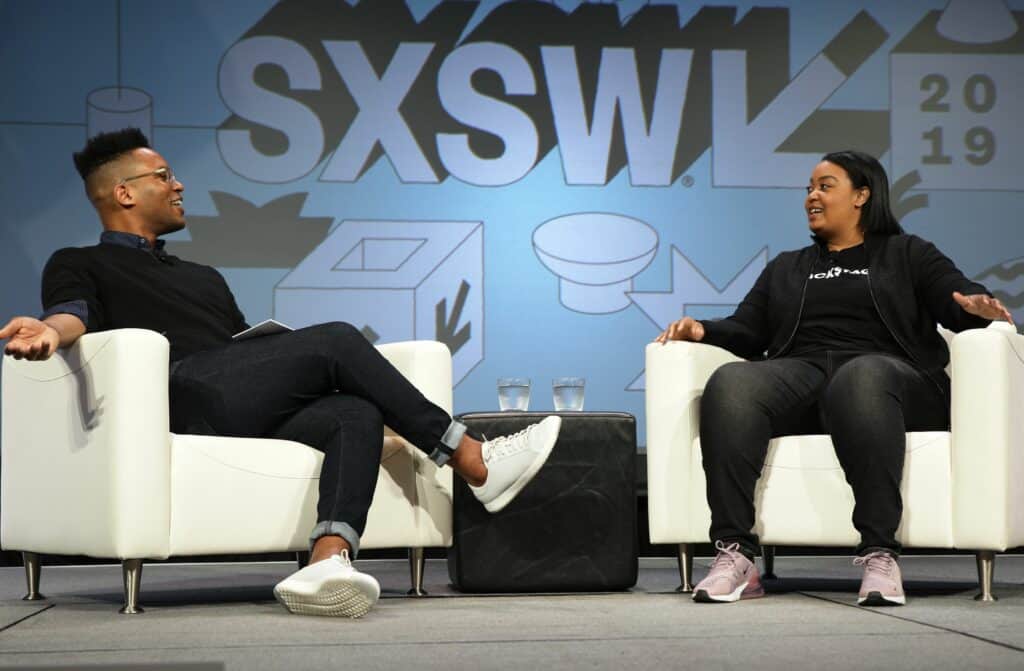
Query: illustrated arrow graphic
[
  {"x": 445, "y": 326},
  {"x": 746, "y": 152},
  {"x": 690, "y": 288}
]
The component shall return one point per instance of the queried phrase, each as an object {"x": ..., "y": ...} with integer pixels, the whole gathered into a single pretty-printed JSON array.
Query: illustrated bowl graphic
[
  {"x": 595, "y": 255},
  {"x": 977, "y": 21}
]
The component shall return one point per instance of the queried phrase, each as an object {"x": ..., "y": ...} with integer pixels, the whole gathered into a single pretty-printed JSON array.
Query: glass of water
[
  {"x": 514, "y": 393},
  {"x": 568, "y": 393}
]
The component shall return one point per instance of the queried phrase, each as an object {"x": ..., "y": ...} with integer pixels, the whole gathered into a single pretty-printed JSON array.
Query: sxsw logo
[{"x": 353, "y": 85}]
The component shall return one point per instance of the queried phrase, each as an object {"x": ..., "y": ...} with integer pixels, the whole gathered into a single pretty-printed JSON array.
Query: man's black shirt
[{"x": 123, "y": 283}]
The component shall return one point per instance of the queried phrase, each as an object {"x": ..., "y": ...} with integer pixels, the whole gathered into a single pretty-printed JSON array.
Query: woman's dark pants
[{"x": 867, "y": 402}]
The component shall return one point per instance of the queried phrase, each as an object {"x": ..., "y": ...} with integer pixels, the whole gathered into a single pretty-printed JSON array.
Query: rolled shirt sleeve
[
  {"x": 69, "y": 288},
  {"x": 78, "y": 308}
]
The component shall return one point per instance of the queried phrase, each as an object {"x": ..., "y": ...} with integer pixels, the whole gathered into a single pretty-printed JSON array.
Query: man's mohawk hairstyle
[{"x": 105, "y": 147}]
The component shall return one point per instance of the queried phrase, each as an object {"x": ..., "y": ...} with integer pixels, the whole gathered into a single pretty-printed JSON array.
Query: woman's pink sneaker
[
  {"x": 882, "y": 584},
  {"x": 732, "y": 577}
]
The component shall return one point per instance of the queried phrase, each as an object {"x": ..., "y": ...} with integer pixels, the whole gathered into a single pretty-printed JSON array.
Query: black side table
[{"x": 573, "y": 528}]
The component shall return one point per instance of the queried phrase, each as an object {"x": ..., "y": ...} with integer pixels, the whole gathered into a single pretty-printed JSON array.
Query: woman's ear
[{"x": 863, "y": 194}]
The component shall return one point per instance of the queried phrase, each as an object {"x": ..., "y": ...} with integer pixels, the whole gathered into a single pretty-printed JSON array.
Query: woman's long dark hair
[{"x": 876, "y": 215}]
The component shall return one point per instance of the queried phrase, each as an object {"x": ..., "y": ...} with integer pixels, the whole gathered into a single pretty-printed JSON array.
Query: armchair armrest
[
  {"x": 988, "y": 438},
  {"x": 676, "y": 375},
  {"x": 428, "y": 365},
  {"x": 425, "y": 363},
  {"x": 86, "y": 448}
]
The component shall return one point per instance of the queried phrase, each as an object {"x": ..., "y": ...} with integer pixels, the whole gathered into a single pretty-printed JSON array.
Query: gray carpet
[{"x": 223, "y": 616}]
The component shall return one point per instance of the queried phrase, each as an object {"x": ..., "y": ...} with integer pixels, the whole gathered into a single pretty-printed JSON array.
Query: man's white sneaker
[
  {"x": 512, "y": 461},
  {"x": 329, "y": 587}
]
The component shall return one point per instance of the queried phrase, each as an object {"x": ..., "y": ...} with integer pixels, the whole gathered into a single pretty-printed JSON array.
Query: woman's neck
[{"x": 847, "y": 241}]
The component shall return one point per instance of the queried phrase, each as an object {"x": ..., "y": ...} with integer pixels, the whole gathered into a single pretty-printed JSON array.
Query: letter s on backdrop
[{"x": 244, "y": 97}]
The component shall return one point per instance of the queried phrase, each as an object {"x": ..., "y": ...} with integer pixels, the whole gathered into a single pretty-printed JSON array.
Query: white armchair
[
  {"x": 961, "y": 489},
  {"x": 90, "y": 467}
]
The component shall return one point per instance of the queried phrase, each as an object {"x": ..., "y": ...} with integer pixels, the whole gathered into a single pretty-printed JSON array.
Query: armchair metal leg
[
  {"x": 768, "y": 558},
  {"x": 417, "y": 562},
  {"x": 302, "y": 559},
  {"x": 685, "y": 559},
  {"x": 131, "y": 571},
  {"x": 32, "y": 568},
  {"x": 986, "y": 560}
]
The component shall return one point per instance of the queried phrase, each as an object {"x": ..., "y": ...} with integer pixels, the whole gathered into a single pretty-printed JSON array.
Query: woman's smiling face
[{"x": 833, "y": 205}]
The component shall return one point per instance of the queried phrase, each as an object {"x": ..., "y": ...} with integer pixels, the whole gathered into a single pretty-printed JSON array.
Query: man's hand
[
  {"x": 686, "y": 328},
  {"x": 983, "y": 306},
  {"x": 30, "y": 339}
]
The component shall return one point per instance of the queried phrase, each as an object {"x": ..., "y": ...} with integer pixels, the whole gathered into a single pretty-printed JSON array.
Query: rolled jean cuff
[
  {"x": 449, "y": 443},
  {"x": 329, "y": 528}
]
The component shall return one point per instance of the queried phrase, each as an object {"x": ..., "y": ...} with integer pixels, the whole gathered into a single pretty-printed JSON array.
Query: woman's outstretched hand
[
  {"x": 983, "y": 306},
  {"x": 686, "y": 328}
]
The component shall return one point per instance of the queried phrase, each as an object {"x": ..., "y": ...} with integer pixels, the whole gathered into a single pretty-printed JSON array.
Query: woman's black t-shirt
[{"x": 838, "y": 312}]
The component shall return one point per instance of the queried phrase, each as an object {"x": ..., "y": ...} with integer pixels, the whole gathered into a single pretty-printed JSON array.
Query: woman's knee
[
  {"x": 862, "y": 386},
  {"x": 730, "y": 393},
  {"x": 734, "y": 381},
  {"x": 732, "y": 375}
]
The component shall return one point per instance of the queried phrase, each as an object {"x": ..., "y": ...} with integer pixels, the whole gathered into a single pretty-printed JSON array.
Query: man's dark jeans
[
  {"x": 325, "y": 386},
  {"x": 867, "y": 402}
]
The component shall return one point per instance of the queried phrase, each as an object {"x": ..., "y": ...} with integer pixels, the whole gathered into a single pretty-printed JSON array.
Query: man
[{"x": 324, "y": 386}]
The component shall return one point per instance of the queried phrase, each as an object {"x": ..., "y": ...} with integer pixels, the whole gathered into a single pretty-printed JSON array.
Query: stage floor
[{"x": 223, "y": 616}]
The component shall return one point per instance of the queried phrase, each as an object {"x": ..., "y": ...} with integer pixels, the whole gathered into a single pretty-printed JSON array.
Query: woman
[{"x": 842, "y": 336}]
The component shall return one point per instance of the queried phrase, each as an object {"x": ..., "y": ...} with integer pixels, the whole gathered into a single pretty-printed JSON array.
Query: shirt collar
[{"x": 129, "y": 240}]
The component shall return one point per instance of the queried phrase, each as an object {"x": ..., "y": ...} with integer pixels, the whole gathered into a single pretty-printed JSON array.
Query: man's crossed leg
[{"x": 326, "y": 386}]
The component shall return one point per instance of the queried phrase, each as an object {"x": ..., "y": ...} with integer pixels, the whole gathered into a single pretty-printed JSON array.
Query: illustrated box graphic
[
  {"x": 395, "y": 280},
  {"x": 957, "y": 99}
]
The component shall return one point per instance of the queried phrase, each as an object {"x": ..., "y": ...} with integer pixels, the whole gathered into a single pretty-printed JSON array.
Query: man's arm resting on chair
[{"x": 36, "y": 339}]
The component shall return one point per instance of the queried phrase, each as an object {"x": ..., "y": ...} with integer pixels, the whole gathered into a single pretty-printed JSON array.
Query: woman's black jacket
[{"x": 911, "y": 284}]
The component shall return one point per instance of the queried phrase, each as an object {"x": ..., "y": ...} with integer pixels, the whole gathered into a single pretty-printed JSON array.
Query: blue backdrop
[{"x": 541, "y": 185}]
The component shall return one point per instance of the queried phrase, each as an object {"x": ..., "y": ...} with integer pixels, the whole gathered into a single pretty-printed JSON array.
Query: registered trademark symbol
[{"x": 687, "y": 181}]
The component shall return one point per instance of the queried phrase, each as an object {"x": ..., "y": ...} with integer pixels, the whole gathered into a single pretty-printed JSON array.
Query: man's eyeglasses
[{"x": 163, "y": 174}]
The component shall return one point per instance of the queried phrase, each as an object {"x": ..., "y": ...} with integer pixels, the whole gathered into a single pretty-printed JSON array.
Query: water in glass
[
  {"x": 514, "y": 394},
  {"x": 568, "y": 393}
]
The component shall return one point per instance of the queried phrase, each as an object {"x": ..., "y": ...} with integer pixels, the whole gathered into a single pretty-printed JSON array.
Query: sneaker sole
[
  {"x": 341, "y": 597},
  {"x": 703, "y": 596},
  {"x": 505, "y": 498},
  {"x": 878, "y": 599}
]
